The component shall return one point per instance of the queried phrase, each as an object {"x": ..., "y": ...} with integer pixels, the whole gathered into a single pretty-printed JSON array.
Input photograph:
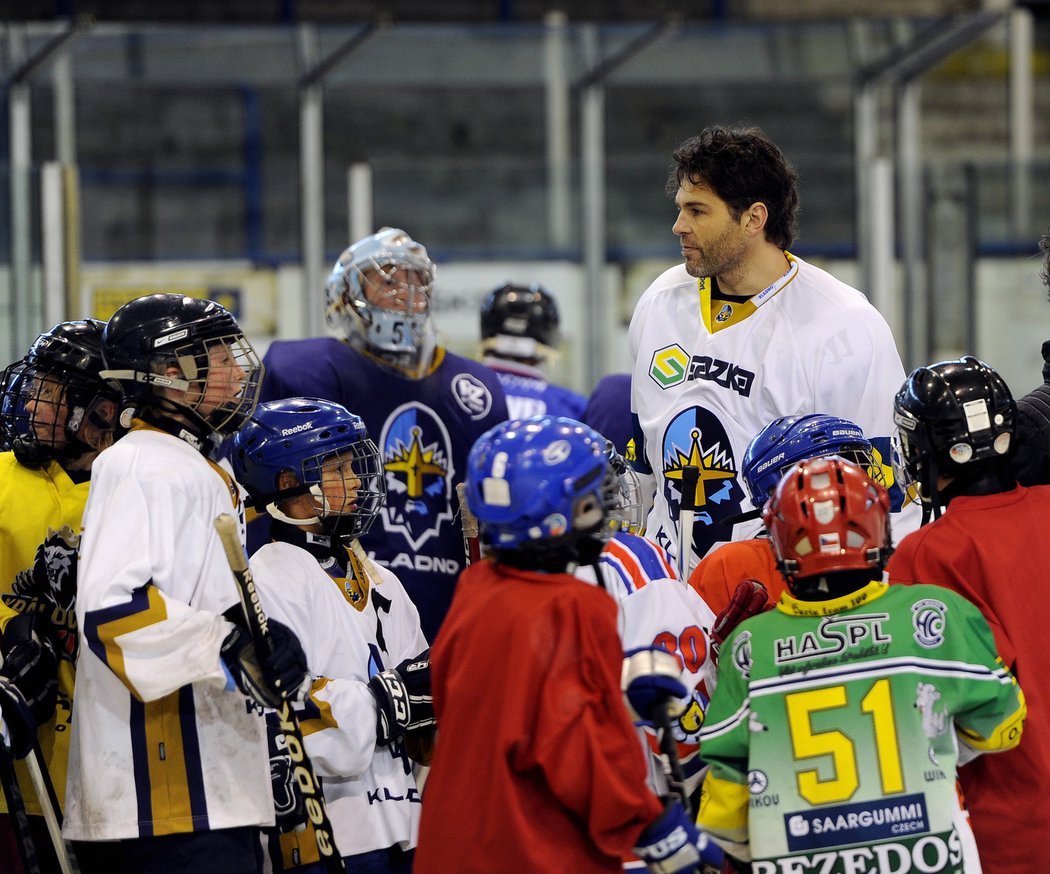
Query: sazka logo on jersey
[
  {"x": 669, "y": 366},
  {"x": 417, "y": 459}
]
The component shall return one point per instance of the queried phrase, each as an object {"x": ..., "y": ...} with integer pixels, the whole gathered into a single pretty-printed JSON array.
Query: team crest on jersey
[
  {"x": 669, "y": 365},
  {"x": 417, "y": 458},
  {"x": 928, "y": 619},
  {"x": 49, "y": 588},
  {"x": 695, "y": 438},
  {"x": 471, "y": 394},
  {"x": 725, "y": 314}
]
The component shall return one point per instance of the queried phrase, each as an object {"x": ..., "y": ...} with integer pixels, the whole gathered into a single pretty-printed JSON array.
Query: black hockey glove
[
  {"x": 17, "y": 726},
  {"x": 282, "y": 675},
  {"x": 403, "y": 700},
  {"x": 30, "y": 665}
]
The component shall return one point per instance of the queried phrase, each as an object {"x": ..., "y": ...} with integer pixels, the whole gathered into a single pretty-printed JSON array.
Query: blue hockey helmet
[
  {"x": 378, "y": 295},
  {"x": 304, "y": 435},
  {"x": 542, "y": 484},
  {"x": 790, "y": 439}
]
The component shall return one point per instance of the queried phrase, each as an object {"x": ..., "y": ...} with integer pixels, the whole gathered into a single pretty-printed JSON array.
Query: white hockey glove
[{"x": 403, "y": 699}]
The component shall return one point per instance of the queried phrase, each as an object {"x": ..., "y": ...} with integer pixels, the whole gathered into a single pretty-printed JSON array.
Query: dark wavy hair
[{"x": 742, "y": 166}]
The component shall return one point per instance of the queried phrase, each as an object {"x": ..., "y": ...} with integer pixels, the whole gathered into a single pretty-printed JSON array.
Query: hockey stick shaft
[
  {"x": 686, "y": 518},
  {"x": 302, "y": 768},
  {"x": 669, "y": 752},
  {"x": 471, "y": 533},
  {"x": 17, "y": 811},
  {"x": 45, "y": 793}
]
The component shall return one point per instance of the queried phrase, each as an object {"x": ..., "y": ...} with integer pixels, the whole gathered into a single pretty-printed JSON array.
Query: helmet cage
[{"x": 626, "y": 512}]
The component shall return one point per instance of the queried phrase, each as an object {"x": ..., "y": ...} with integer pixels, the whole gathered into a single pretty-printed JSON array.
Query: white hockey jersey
[
  {"x": 349, "y": 632},
  {"x": 159, "y": 746},
  {"x": 709, "y": 375}
]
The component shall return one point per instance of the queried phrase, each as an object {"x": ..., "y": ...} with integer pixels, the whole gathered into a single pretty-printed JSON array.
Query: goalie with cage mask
[
  {"x": 423, "y": 405},
  {"x": 312, "y": 467}
]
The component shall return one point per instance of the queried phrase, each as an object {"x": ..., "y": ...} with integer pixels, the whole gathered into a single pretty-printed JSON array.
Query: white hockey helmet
[{"x": 378, "y": 296}]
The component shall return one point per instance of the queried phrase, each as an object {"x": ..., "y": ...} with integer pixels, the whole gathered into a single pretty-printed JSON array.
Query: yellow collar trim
[
  {"x": 733, "y": 312},
  {"x": 794, "y": 607}
]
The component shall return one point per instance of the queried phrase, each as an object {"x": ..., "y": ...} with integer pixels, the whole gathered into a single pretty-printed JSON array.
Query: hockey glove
[
  {"x": 281, "y": 675},
  {"x": 749, "y": 598},
  {"x": 30, "y": 665},
  {"x": 17, "y": 726},
  {"x": 651, "y": 679},
  {"x": 673, "y": 844},
  {"x": 403, "y": 700}
]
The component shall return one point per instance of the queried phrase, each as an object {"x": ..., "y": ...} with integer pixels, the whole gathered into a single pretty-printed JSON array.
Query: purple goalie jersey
[{"x": 424, "y": 429}]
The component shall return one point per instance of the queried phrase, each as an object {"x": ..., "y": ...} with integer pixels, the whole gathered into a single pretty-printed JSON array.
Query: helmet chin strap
[
  {"x": 275, "y": 511},
  {"x": 315, "y": 492}
]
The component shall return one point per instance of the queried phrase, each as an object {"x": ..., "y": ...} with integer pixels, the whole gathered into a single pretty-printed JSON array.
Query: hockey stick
[
  {"x": 669, "y": 755},
  {"x": 686, "y": 518},
  {"x": 17, "y": 810},
  {"x": 302, "y": 768},
  {"x": 45, "y": 793},
  {"x": 471, "y": 539}
]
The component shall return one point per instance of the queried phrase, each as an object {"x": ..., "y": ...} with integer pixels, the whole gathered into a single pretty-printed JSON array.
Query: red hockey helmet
[{"x": 828, "y": 515}]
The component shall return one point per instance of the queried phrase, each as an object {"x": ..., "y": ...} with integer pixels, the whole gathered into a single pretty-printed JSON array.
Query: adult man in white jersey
[{"x": 743, "y": 332}]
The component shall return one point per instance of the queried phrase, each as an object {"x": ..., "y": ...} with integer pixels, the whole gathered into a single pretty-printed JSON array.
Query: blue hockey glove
[
  {"x": 672, "y": 844},
  {"x": 651, "y": 679}
]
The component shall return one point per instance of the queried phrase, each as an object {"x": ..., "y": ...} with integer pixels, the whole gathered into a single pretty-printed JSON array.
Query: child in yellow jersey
[{"x": 57, "y": 414}]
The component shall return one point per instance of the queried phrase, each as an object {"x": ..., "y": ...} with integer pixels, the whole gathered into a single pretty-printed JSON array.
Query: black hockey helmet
[
  {"x": 515, "y": 318},
  {"x": 49, "y": 394},
  {"x": 150, "y": 335},
  {"x": 956, "y": 418}
]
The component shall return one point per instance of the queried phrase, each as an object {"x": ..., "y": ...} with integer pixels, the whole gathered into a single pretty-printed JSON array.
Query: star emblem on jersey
[
  {"x": 669, "y": 366},
  {"x": 417, "y": 461},
  {"x": 714, "y": 468}
]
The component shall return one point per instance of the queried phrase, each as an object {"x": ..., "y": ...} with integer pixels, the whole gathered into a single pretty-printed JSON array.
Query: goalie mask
[
  {"x": 955, "y": 419},
  {"x": 378, "y": 296},
  {"x": 53, "y": 392},
  {"x": 181, "y": 355},
  {"x": 827, "y": 517},
  {"x": 328, "y": 450},
  {"x": 520, "y": 322},
  {"x": 543, "y": 492}
]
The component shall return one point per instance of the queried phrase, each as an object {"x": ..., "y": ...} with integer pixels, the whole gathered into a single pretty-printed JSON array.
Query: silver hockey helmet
[{"x": 378, "y": 296}]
